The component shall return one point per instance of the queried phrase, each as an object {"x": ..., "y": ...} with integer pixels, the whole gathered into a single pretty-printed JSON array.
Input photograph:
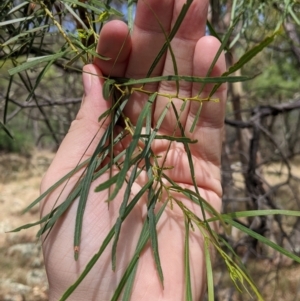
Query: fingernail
[{"x": 87, "y": 83}]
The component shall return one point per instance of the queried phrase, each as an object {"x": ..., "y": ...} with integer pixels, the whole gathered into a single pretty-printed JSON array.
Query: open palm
[{"x": 194, "y": 53}]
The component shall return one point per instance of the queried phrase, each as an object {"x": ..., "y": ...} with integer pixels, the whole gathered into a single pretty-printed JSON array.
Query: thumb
[{"x": 85, "y": 131}]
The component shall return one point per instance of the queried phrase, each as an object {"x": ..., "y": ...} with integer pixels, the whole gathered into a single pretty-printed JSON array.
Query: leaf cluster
[{"x": 27, "y": 26}]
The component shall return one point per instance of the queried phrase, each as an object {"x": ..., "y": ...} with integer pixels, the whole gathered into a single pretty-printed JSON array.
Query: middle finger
[
  {"x": 191, "y": 30},
  {"x": 147, "y": 40}
]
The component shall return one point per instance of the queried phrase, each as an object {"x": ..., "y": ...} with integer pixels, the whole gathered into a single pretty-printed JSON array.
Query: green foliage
[
  {"x": 28, "y": 43},
  {"x": 21, "y": 143},
  {"x": 284, "y": 86},
  {"x": 278, "y": 78}
]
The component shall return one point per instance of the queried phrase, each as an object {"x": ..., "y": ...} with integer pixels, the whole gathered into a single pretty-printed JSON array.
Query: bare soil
[{"x": 22, "y": 275}]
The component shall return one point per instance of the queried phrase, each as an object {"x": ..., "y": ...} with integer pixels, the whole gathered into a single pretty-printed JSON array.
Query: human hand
[{"x": 194, "y": 53}]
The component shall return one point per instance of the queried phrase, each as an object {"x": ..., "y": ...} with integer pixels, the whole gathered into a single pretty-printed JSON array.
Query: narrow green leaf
[
  {"x": 125, "y": 278},
  {"x": 89, "y": 266},
  {"x": 37, "y": 61},
  {"x": 132, "y": 147},
  {"x": 159, "y": 122},
  {"x": 130, "y": 14},
  {"x": 176, "y": 139},
  {"x": 249, "y": 55},
  {"x": 112, "y": 110},
  {"x": 105, "y": 114},
  {"x": 121, "y": 214},
  {"x": 60, "y": 210},
  {"x": 54, "y": 186},
  {"x": 173, "y": 32},
  {"x": 131, "y": 269},
  {"x": 168, "y": 43},
  {"x": 293, "y": 15},
  {"x": 153, "y": 198},
  {"x": 253, "y": 213},
  {"x": 148, "y": 124},
  {"x": 108, "y": 88},
  {"x": 191, "y": 164},
  {"x": 105, "y": 185},
  {"x": 206, "y": 80},
  {"x": 196, "y": 198},
  {"x": 264, "y": 240},
  {"x": 17, "y": 7},
  {"x": 42, "y": 220},
  {"x": 105, "y": 243},
  {"x": 23, "y": 34},
  {"x": 212, "y": 31},
  {"x": 223, "y": 45},
  {"x": 196, "y": 118},
  {"x": 92, "y": 8},
  {"x": 114, "y": 160},
  {"x": 91, "y": 50},
  {"x": 12, "y": 21},
  {"x": 86, "y": 183},
  {"x": 187, "y": 272},
  {"x": 75, "y": 16},
  {"x": 93, "y": 163},
  {"x": 3, "y": 126},
  {"x": 6, "y": 100},
  {"x": 39, "y": 79},
  {"x": 129, "y": 283},
  {"x": 75, "y": 58},
  {"x": 209, "y": 271}
]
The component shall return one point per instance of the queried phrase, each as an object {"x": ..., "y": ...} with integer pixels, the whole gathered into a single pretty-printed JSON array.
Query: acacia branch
[
  {"x": 47, "y": 104},
  {"x": 264, "y": 111}
]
